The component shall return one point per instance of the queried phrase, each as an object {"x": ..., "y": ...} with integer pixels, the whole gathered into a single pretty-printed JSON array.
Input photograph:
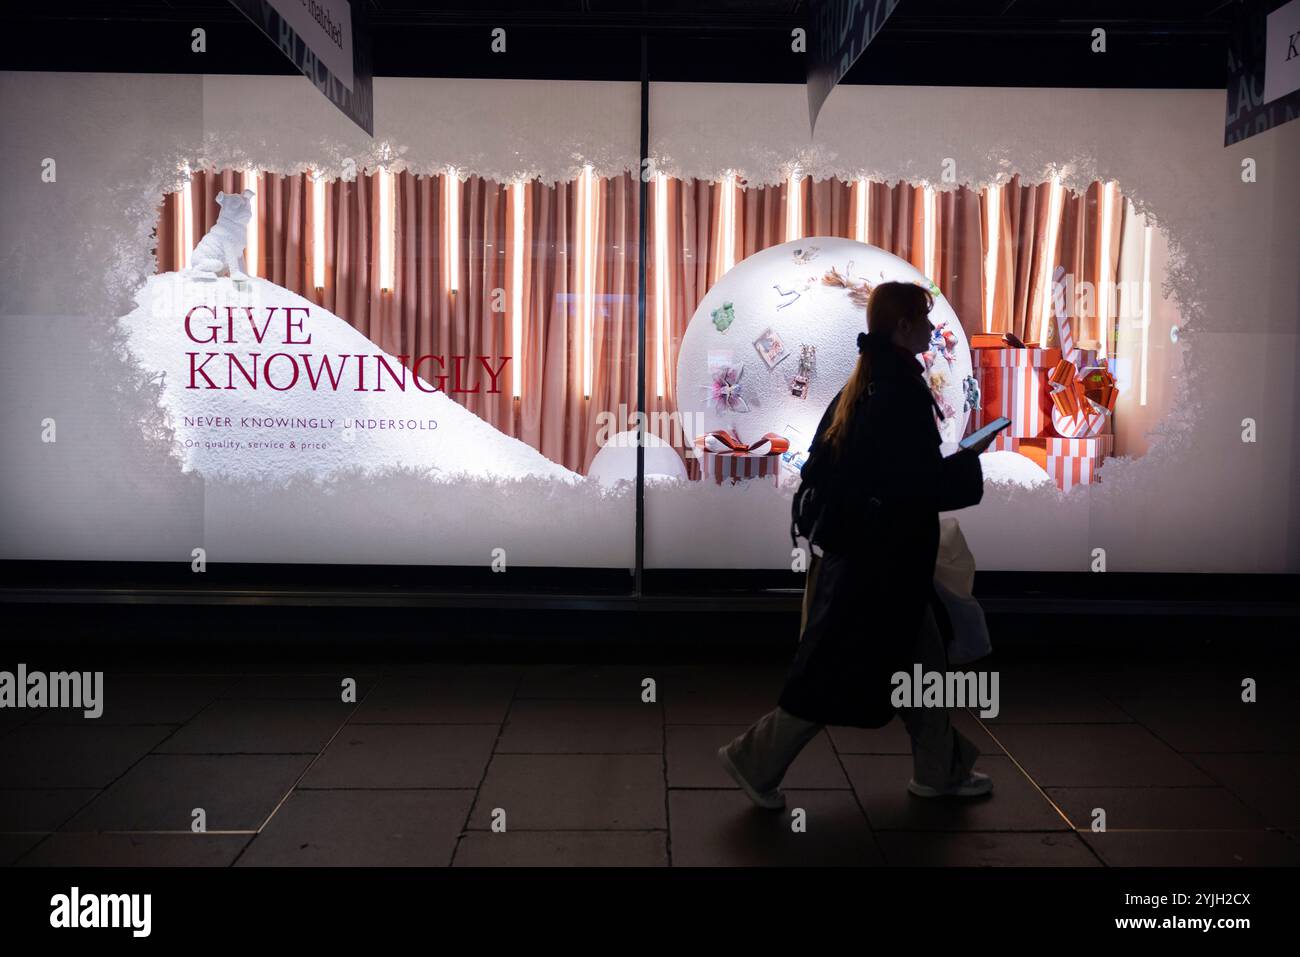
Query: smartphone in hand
[{"x": 982, "y": 438}]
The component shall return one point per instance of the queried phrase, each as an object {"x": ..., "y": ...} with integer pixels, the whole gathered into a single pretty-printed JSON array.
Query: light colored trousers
[{"x": 941, "y": 755}]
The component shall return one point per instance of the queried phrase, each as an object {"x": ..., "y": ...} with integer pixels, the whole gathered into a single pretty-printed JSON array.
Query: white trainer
[
  {"x": 772, "y": 800},
  {"x": 975, "y": 785}
]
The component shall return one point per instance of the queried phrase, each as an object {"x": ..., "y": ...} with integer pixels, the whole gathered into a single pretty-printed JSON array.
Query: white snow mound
[{"x": 294, "y": 428}]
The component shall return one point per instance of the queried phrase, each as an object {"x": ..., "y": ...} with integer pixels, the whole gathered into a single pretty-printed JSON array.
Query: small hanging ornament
[
  {"x": 723, "y": 316},
  {"x": 807, "y": 363}
]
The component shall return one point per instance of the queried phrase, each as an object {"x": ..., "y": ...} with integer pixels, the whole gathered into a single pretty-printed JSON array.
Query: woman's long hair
[{"x": 890, "y": 302}]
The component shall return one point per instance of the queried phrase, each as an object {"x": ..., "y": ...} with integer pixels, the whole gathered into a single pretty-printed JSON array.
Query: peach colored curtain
[
  {"x": 896, "y": 221},
  {"x": 959, "y": 255},
  {"x": 830, "y": 208},
  {"x": 1022, "y": 213},
  {"x": 760, "y": 218},
  {"x": 693, "y": 256},
  {"x": 283, "y": 230},
  {"x": 549, "y": 408},
  {"x": 1081, "y": 253},
  {"x": 614, "y": 339},
  {"x": 558, "y": 418}
]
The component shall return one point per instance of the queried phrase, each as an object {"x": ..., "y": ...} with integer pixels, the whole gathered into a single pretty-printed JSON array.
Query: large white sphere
[
  {"x": 616, "y": 459},
  {"x": 782, "y": 288}
]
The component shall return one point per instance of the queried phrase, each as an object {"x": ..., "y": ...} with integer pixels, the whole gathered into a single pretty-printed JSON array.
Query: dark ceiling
[{"x": 1174, "y": 43}]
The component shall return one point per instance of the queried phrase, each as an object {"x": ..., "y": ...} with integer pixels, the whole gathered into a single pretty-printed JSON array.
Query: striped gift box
[
  {"x": 1096, "y": 447},
  {"x": 735, "y": 467},
  {"x": 1072, "y": 462},
  {"x": 1069, "y": 462},
  {"x": 1013, "y": 383}
]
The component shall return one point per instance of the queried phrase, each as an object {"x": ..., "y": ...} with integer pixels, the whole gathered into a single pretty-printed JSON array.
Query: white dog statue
[{"x": 222, "y": 249}]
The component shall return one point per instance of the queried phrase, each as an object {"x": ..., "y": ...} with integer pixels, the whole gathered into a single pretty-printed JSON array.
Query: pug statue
[{"x": 221, "y": 251}]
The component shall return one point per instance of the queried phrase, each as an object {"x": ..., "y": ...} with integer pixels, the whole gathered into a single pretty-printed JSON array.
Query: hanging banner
[
  {"x": 1282, "y": 55},
  {"x": 838, "y": 32},
  {"x": 328, "y": 43},
  {"x": 1263, "y": 69}
]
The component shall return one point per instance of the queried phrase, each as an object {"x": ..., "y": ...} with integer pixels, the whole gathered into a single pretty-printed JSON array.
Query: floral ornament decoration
[
  {"x": 937, "y": 378},
  {"x": 943, "y": 342},
  {"x": 859, "y": 291},
  {"x": 725, "y": 389},
  {"x": 943, "y": 345},
  {"x": 723, "y": 316}
]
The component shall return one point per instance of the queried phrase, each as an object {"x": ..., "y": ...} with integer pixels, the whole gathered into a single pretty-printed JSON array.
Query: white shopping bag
[{"x": 954, "y": 576}]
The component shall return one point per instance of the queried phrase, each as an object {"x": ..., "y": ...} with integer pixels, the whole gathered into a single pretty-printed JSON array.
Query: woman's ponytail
[
  {"x": 889, "y": 304},
  {"x": 853, "y": 390}
]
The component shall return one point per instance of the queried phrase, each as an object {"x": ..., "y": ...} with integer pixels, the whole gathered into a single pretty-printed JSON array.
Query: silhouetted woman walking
[{"x": 870, "y": 604}]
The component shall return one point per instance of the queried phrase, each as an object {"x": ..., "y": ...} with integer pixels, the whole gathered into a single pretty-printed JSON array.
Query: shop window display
[{"x": 444, "y": 321}]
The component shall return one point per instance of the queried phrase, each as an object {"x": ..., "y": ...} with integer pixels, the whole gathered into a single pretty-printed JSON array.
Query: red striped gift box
[
  {"x": 1072, "y": 462},
  {"x": 736, "y": 466},
  {"x": 1013, "y": 383}
]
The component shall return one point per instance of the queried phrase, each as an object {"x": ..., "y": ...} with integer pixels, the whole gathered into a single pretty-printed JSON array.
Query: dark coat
[{"x": 876, "y": 575}]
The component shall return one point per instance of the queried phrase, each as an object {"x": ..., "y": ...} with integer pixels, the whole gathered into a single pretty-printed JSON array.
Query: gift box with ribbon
[
  {"x": 1013, "y": 383},
  {"x": 1069, "y": 462},
  {"x": 995, "y": 340},
  {"x": 1081, "y": 387},
  {"x": 1081, "y": 404},
  {"x": 1004, "y": 443},
  {"x": 1072, "y": 462},
  {"x": 723, "y": 456}
]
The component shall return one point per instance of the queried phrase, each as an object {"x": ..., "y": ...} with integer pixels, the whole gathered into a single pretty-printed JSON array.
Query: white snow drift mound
[{"x": 294, "y": 428}]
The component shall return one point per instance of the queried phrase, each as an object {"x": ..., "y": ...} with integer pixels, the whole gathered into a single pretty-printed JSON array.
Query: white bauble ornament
[
  {"x": 616, "y": 460},
  {"x": 783, "y": 289}
]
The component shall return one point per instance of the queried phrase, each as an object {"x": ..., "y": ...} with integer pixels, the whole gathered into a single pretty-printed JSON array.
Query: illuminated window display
[{"x": 432, "y": 337}]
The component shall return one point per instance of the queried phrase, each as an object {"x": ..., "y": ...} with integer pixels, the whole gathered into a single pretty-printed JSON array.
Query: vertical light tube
[
  {"x": 453, "y": 229},
  {"x": 386, "y": 276},
  {"x": 187, "y": 219},
  {"x": 860, "y": 211},
  {"x": 251, "y": 247},
  {"x": 728, "y": 222},
  {"x": 318, "y": 230},
  {"x": 1054, "y": 200},
  {"x": 517, "y": 285},
  {"x": 1107, "y": 282},
  {"x": 1146, "y": 313},
  {"x": 793, "y": 208},
  {"x": 992, "y": 203},
  {"x": 661, "y": 281},
  {"x": 928, "y": 206},
  {"x": 587, "y": 273}
]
